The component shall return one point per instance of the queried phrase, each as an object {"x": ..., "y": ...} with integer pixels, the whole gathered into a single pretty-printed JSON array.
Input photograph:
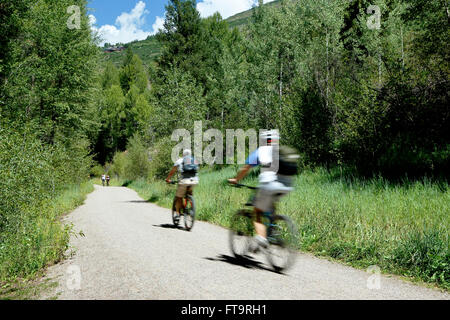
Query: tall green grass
[
  {"x": 40, "y": 239},
  {"x": 402, "y": 228}
]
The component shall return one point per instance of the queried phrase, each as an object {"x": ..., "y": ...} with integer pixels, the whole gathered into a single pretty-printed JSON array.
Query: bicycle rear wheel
[
  {"x": 175, "y": 216},
  {"x": 283, "y": 237},
  {"x": 189, "y": 213},
  {"x": 241, "y": 231}
]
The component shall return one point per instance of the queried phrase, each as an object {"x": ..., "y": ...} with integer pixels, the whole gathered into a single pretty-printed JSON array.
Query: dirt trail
[{"x": 131, "y": 251}]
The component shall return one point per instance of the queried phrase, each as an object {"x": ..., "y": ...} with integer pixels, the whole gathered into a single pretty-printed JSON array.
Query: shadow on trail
[
  {"x": 152, "y": 199},
  {"x": 169, "y": 226},
  {"x": 137, "y": 201},
  {"x": 245, "y": 262}
]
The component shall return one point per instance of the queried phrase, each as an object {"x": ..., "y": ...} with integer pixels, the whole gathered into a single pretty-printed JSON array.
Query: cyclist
[
  {"x": 187, "y": 167},
  {"x": 272, "y": 183}
]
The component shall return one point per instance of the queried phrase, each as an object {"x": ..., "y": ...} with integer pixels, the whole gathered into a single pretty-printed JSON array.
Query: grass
[
  {"x": 41, "y": 241},
  {"x": 401, "y": 228}
]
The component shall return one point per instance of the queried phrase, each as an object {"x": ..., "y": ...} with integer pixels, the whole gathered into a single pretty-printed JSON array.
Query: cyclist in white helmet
[{"x": 272, "y": 184}]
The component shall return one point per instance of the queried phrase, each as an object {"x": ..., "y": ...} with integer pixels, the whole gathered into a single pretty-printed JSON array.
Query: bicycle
[
  {"x": 187, "y": 211},
  {"x": 282, "y": 236}
]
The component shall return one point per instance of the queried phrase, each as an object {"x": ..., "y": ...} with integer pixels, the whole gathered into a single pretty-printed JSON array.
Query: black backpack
[
  {"x": 190, "y": 168},
  {"x": 288, "y": 161}
]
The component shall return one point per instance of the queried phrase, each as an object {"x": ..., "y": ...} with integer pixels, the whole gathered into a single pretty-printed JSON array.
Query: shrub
[
  {"x": 96, "y": 171},
  {"x": 33, "y": 176},
  {"x": 161, "y": 158},
  {"x": 137, "y": 159},
  {"x": 118, "y": 164}
]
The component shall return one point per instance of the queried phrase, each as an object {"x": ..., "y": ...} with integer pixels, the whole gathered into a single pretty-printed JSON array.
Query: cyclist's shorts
[
  {"x": 268, "y": 194},
  {"x": 183, "y": 190}
]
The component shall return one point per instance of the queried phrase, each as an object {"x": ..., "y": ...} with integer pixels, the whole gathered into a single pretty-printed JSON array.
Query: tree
[
  {"x": 180, "y": 37},
  {"x": 180, "y": 102},
  {"x": 133, "y": 72},
  {"x": 110, "y": 76},
  {"x": 51, "y": 77}
]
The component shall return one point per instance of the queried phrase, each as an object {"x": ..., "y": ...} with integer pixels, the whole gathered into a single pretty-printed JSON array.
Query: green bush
[
  {"x": 161, "y": 158},
  {"x": 118, "y": 165},
  {"x": 96, "y": 171},
  {"x": 137, "y": 159},
  {"x": 34, "y": 177}
]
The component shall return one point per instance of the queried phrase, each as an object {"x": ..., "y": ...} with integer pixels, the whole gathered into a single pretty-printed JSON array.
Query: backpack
[
  {"x": 288, "y": 161},
  {"x": 190, "y": 168}
]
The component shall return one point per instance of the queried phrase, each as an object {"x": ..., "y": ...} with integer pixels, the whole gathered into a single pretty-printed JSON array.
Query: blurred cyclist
[{"x": 275, "y": 180}]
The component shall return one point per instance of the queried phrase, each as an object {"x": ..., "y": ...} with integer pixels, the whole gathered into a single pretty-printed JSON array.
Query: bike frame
[{"x": 185, "y": 198}]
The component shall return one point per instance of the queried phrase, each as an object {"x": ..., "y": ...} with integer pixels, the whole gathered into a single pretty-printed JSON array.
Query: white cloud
[
  {"x": 128, "y": 26},
  {"x": 226, "y": 8},
  {"x": 159, "y": 24},
  {"x": 92, "y": 20}
]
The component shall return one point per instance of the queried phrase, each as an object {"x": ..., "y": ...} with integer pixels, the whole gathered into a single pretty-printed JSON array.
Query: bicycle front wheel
[
  {"x": 283, "y": 238},
  {"x": 241, "y": 231},
  {"x": 189, "y": 213}
]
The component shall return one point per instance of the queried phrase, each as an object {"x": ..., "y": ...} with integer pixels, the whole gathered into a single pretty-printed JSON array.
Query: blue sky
[
  {"x": 128, "y": 20},
  {"x": 107, "y": 11}
]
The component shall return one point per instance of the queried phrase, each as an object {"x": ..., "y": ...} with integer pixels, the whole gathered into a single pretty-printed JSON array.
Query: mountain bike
[
  {"x": 187, "y": 211},
  {"x": 282, "y": 236}
]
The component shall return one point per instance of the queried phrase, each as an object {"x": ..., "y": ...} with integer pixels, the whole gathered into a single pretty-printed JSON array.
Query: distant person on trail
[
  {"x": 103, "y": 179},
  {"x": 107, "y": 180},
  {"x": 187, "y": 167}
]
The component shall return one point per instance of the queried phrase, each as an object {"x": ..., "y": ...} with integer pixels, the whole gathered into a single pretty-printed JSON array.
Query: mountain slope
[{"x": 148, "y": 50}]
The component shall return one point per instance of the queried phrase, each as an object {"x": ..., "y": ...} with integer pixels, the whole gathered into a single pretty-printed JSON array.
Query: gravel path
[{"x": 131, "y": 251}]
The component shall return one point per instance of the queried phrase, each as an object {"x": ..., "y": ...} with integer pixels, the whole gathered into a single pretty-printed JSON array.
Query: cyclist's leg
[
  {"x": 178, "y": 204},
  {"x": 180, "y": 194},
  {"x": 262, "y": 202},
  {"x": 260, "y": 228},
  {"x": 267, "y": 196}
]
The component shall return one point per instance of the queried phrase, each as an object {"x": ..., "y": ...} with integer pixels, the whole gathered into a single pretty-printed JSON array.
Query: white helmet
[
  {"x": 186, "y": 152},
  {"x": 270, "y": 134}
]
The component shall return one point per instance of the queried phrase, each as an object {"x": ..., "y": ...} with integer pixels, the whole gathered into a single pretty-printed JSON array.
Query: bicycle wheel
[
  {"x": 241, "y": 231},
  {"x": 283, "y": 237},
  {"x": 189, "y": 213},
  {"x": 175, "y": 216}
]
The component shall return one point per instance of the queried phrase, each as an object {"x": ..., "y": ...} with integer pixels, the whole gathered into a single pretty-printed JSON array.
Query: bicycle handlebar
[{"x": 238, "y": 185}]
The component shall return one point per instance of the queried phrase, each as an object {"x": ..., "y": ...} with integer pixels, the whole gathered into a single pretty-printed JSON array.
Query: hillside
[
  {"x": 148, "y": 50},
  {"x": 241, "y": 19}
]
